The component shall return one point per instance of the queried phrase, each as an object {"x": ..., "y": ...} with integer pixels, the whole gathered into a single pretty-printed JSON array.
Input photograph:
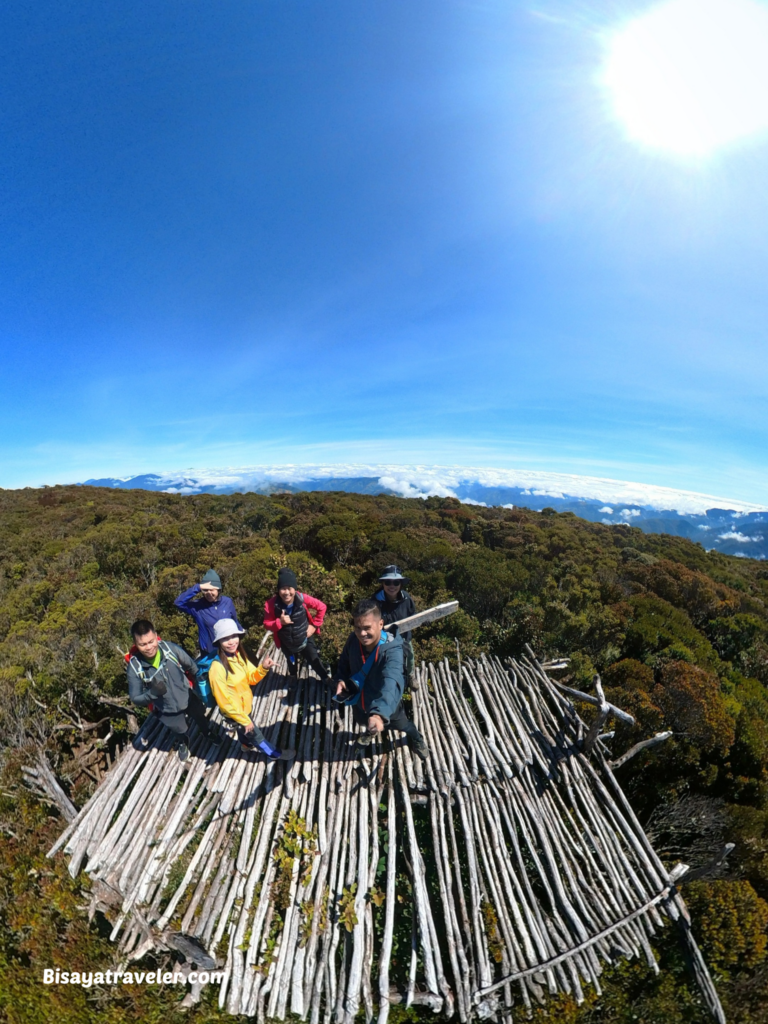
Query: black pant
[
  {"x": 250, "y": 739},
  {"x": 398, "y": 720},
  {"x": 408, "y": 659},
  {"x": 178, "y": 722},
  {"x": 310, "y": 654}
]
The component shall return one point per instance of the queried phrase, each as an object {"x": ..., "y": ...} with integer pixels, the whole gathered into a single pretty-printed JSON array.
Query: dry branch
[
  {"x": 43, "y": 782},
  {"x": 660, "y": 737}
]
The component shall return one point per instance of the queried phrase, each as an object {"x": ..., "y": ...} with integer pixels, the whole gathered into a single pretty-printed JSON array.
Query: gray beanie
[{"x": 213, "y": 578}]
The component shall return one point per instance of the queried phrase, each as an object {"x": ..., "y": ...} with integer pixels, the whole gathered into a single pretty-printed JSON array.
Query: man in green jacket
[{"x": 158, "y": 674}]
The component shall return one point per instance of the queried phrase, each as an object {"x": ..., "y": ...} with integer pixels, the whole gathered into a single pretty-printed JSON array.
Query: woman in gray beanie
[{"x": 206, "y": 604}]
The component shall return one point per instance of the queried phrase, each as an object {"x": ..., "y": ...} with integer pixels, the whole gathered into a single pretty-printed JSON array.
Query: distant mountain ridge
[{"x": 741, "y": 530}]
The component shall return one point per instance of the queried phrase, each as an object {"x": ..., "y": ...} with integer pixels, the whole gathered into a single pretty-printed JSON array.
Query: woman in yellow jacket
[{"x": 232, "y": 674}]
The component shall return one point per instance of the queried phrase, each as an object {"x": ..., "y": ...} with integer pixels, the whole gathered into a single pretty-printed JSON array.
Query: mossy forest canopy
[{"x": 679, "y": 635}]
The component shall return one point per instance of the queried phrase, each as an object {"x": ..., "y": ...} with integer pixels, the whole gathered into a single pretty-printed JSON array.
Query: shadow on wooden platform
[{"x": 510, "y": 856}]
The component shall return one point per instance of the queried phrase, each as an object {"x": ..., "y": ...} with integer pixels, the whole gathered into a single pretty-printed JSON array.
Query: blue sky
[{"x": 391, "y": 231}]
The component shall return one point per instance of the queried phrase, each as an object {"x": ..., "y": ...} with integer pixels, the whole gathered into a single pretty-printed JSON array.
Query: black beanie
[{"x": 286, "y": 578}]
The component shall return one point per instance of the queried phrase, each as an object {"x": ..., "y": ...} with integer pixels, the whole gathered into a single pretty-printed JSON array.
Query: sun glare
[{"x": 690, "y": 76}]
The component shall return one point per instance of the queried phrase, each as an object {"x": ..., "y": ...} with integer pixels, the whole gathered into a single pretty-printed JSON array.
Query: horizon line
[{"x": 424, "y": 480}]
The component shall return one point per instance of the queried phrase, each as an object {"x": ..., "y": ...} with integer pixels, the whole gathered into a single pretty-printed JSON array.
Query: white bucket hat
[{"x": 225, "y": 628}]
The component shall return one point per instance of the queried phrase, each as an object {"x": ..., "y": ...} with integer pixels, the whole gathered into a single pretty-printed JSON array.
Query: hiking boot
[
  {"x": 419, "y": 747},
  {"x": 246, "y": 749},
  {"x": 214, "y": 737},
  {"x": 183, "y": 751}
]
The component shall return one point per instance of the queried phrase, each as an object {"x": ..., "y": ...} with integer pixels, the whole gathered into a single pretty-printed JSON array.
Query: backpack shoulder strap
[
  {"x": 132, "y": 661},
  {"x": 168, "y": 652},
  {"x": 362, "y": 672}
]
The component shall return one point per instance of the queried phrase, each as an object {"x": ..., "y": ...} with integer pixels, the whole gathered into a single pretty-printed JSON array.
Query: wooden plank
[{"x": 421, "y": 618}]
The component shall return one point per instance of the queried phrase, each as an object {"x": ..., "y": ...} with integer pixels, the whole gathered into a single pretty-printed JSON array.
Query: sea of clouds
[
  {"x": 448, "y": 481},
  {"x": 733, "y": 527}
]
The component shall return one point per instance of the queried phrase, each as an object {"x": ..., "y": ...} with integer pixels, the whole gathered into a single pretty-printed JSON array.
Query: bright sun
[{"x": 690, "y": 76}]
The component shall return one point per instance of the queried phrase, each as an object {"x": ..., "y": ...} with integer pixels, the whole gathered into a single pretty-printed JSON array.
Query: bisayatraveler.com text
[{"x": 86, "y": 979}]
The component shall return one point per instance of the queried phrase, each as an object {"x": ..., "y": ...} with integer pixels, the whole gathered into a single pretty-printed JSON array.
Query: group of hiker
[{"x": 371, "y": 675}]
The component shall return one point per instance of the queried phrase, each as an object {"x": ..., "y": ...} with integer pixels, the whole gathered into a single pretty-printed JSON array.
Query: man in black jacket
[
  {"x": 370, "y": 677},
  {"x": 395, "y": 604},
  {"x": 158, "y": 674}
]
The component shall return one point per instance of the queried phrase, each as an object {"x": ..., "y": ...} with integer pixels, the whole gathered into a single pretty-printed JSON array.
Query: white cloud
[
  {"x": 629, "y": 512},
  {"x": 702, "y": 526},
  {"x": 607, "y": 509},
  {"x": 443, "y": 481},
  {"x": 741, "y": 537}
]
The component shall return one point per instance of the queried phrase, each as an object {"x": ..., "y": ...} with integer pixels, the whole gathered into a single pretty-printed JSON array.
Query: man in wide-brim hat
[{"x": 395, "y": 603}]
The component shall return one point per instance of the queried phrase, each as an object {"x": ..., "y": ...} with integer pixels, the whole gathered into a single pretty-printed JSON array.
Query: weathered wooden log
[
  {"x": 660, "y": 737},
  {"x": 603, "y": 710},
  {"x": 696, "y": 964},
  {"x": 389, "y": 899},
  {"x": 584, "y": 945},
  {"x": 587, "y": 698}
]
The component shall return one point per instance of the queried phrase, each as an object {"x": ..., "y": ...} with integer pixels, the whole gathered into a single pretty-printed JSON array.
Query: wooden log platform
[{"x": 509, "y": 859}]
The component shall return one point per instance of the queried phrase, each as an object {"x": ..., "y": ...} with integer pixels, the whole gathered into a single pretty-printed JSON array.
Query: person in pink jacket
[{"x": 294, "y": 619}]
